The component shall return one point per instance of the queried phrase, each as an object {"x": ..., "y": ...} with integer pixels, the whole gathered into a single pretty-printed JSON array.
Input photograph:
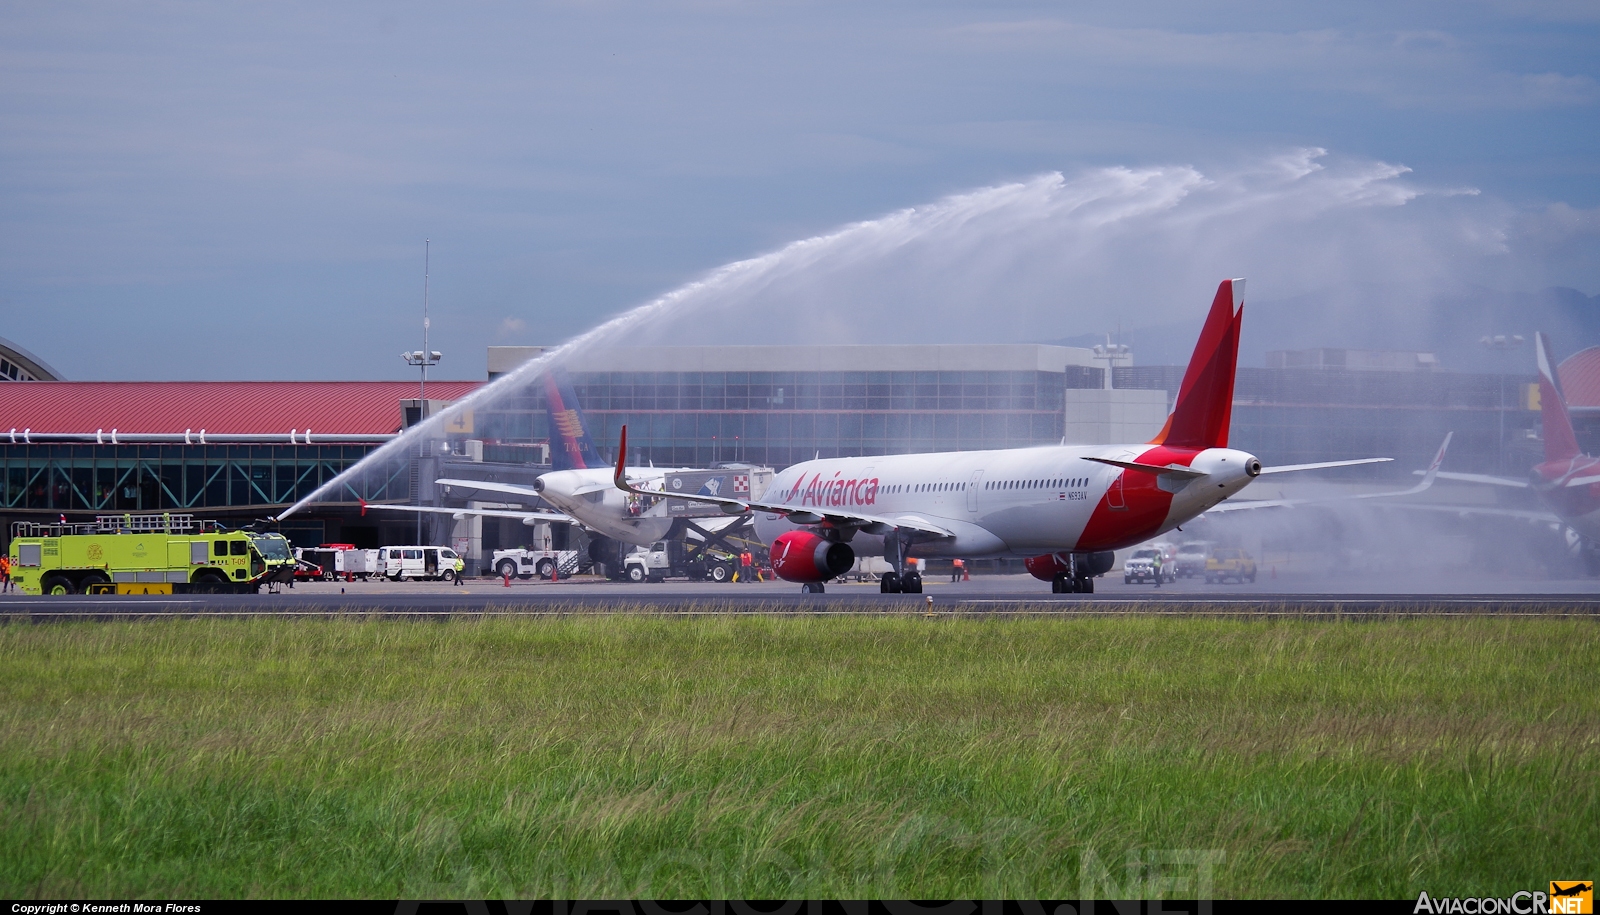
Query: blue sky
[{"x": 243, "y": 190}]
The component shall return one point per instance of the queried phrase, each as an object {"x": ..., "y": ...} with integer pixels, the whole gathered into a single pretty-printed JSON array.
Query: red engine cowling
[
  {"x": 1046, "y": 567},
  {"x": 803, "y": 556}
]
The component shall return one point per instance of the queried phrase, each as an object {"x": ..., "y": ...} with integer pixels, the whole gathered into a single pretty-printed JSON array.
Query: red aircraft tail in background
[
  {"x": 1204, "y": 406},
  {"x": 1560, "y": 442}
]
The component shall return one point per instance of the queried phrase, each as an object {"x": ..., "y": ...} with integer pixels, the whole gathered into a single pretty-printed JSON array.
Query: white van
[{"x": 430, "y": 563}]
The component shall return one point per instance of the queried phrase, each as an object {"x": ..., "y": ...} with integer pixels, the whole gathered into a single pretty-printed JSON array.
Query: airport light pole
[
  {"x": 422, "y": 358},
  {"x": 1502, "y": 344},
  {"x": 1112, "y": 353}
]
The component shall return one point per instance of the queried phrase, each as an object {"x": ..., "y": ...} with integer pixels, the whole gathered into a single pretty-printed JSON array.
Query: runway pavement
[{"x": 986, "y": 596}]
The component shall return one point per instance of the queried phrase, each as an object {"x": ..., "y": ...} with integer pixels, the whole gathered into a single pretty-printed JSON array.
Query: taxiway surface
[{"x": 985, "y": 595}]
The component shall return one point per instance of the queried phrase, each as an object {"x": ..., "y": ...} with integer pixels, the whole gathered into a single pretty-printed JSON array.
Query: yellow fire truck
[{"x": 145, "y": 554}]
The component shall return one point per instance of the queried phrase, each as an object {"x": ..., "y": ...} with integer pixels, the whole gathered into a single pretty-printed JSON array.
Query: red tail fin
[
  {"x": 1560, "y": 443},
  {"x": 1204, "y": 408}
]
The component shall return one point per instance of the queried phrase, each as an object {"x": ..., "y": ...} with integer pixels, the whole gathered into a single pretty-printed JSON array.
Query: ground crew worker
[
  {"x": 958, "y": 568},
  {"x": 1156, "y": 564},
  {"x": 745, "y": 561},
  {"x": 5, "y": 572}
]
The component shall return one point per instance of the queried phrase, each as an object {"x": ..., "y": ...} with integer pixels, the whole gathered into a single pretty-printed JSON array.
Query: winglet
[
  {"x": 1432, "y": 472},
  {"x": 1560, "y": 443},
  {"x": 1203, "y": 409},
  {"x": 620, "y": 477}
]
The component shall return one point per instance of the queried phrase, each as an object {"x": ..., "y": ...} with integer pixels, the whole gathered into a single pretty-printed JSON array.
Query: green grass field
[{"x": 776, "y": 757}]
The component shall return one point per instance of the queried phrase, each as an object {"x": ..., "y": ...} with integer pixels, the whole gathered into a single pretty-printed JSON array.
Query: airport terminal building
[
  {"x": 778, "y": 405},
  {"x": 241, "y": 451}
]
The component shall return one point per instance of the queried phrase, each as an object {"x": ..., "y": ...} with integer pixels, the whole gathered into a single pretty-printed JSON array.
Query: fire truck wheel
[
  {"x": 56, "y": 584},
  {"x": 92, "y": 579}
]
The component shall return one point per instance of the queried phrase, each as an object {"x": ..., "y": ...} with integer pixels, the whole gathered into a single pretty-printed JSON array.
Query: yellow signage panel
[
  {"x": 144, "y": 587},
  {"x": 459, "y": 423}
]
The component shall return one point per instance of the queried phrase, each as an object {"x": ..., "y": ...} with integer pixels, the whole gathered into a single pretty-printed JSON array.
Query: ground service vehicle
[
  {"x": 1192, "y": 558},
  {"x": 1227, "y": 562},
  {"x": 429, "y": 563},
  {"x": 525, "y": 564},
  {"x": 674, "y": 559},
  {"x": 868, "y": 568},
  {"x": 1141, "y": 566},
  {"x": 145, "y": 554}
]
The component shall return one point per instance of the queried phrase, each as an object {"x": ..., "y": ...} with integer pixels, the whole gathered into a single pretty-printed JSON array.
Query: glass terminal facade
[
  {"x": 81, "y": 478},
  {"x": 780, "y": 418}
]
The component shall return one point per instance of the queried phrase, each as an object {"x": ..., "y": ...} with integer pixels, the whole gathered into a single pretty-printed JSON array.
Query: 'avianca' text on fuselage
[{"x": 834, "y": 491}]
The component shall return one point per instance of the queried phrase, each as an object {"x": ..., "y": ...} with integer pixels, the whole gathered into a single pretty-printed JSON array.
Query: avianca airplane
[
  {"x": 1568, "y": 481},
  {"x": 579, "y": 483},
  {"x": 1064, "y": 508}
]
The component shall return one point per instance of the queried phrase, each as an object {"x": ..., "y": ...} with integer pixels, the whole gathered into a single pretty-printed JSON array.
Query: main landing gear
[
  {"x": 812, "y": 587},
  {"x": 1065, "y": 583},
  {"x": 896, "y": 583},
  {"x": 901, "y": 580}
]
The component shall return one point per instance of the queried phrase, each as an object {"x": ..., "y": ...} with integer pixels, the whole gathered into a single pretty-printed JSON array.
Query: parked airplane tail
[
  {"x": 1204, "y": 406},
  {"x": 1560, "y": 443},
  {"x": 570, "y": 445}
]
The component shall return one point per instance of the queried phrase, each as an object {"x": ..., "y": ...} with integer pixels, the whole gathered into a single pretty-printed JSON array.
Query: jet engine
[
  {"x": 1048, "y": 566},
  {"x": 803, "y": 556}
]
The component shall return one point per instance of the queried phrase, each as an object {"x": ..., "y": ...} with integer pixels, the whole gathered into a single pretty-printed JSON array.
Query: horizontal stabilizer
[
  {"x": 1292, "y": 468},
  {"x": 1173, "y": 470}
]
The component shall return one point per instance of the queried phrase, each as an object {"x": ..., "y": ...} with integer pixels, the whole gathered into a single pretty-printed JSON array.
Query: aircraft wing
[
  {"x": 486, "y": 512},
  {"x": 1466, "y": 510},
  {"x": 1483, "y": 478},
  {"x": 872, "y": 524}
]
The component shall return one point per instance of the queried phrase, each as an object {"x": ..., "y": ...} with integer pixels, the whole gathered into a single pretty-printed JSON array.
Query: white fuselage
[
  {"x": 1019, "y": 502},
  {"x": 592, "y": 497}
]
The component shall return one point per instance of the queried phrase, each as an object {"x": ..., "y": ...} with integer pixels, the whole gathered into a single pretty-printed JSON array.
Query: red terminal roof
[
  {"x": 1580, "y": 379},
  {"x": 237, "y": 407}
]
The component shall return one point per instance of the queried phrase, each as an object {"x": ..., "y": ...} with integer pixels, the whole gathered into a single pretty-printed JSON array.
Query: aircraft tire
[
  {"x": 813, "y": 587},
  {"x": 1086, "y": 586},
  {"x": 911, "y": 583},
  {"x": 889, "y": 583}
]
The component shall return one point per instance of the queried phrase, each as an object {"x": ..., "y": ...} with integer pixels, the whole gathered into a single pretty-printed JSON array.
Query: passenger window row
[{"x": 1054, "y": 483}]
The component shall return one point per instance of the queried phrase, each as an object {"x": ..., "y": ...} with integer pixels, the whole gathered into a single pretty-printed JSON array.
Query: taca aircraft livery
[
  {"x": 1063, "y": 508},
  {"x": 579, "y": 484}
]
